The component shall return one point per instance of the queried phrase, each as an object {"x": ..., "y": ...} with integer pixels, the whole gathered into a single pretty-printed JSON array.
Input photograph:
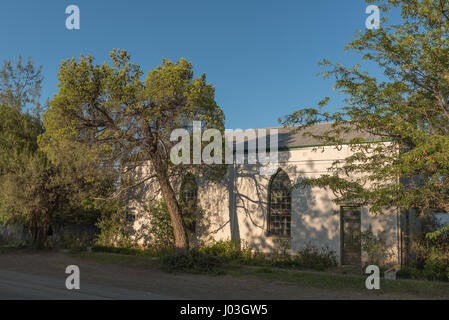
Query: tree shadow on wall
[{"x": 246, "y": 194}]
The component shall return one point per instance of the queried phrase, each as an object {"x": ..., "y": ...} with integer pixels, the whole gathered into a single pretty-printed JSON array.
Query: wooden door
[{"x": 351, "y": 246}]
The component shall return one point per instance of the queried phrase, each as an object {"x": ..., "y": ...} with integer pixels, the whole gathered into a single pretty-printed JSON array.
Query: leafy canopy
[
  {"x": 108, "y": 115},
  {"x": 408, "y": 107}
]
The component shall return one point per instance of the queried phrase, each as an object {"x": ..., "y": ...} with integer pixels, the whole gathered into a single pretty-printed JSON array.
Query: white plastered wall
[{"x": 236, "y": 208}]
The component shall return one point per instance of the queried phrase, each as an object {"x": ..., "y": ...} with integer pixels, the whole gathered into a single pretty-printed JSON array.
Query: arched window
[
  {"x": 188, "y": 201},
  {"x": 279, "y": 205}
]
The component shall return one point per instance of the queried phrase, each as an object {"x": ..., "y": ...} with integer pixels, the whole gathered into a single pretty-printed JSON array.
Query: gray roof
[{"x": 288, "y": 139}]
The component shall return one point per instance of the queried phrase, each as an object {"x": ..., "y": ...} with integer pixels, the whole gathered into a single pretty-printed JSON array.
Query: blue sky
[{"x": 262, "y": 56}]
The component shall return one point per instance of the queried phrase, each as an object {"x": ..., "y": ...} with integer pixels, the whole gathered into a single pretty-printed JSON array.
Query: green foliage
[
  {"x": 209, "y": 258},
  {"x": 316, "y": 258},
  {"x": 13, "y": 243},
  {"x": 412, "y": 272},
  {"x": 191, "y": 261},
  {"x": 18, "y": 145},
  {"x": 439, "y": 235},
  {"x": 3, "y": 218},
  {"x": 78, "y": 215},
  {"x": 118, "y": 250},
  {"x": 115, "y": 230},
  {"x": 282, "y": 251},
  {"x": 151, "y": 251},
  {"x": 70, "y": 240},
  {"x": 155, "y": 230},
  {"x": 437, "y": 267},
  {"x": 308, "y": 257},
  {"x": 431, "y": 254},
  {"x": 18, "y": 133},
  {"x": 33, "y": 189},
  {"x": 432, "y": 251},
  {"x": 407, "y": 108},
  {"x": 405, "y": 273},
  {"x": 228, "y": 251},
  {"x": 30, "y": 189},
  {"x": 424, "y": 247},
  {"x": 375, "y": 248},
  {"x": 159, "y": 229},
  {"x": 108, "y": 116},
  {"x": 188, "y": 198},
  {"x": 20, "y": 86}
]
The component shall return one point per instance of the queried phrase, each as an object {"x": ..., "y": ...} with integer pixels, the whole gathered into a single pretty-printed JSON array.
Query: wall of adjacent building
[
  {"x": 236, "y": 208},
  {"x": 315, "y": 218}
]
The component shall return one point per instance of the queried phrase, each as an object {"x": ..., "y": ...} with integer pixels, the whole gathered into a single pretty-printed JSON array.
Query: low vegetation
[
  {"x": 339, "y": 279},
  {"x": 212, "y": 257},
  {"x": 431, "y": 256}
]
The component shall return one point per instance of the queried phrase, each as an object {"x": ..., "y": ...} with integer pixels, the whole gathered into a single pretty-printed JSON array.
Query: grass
[
  {"x": 12, "y": 249},
  {"x": 349, "y": 283},
  {"x": 337, "y": 281},
  {"x": 142, "y": 261}
]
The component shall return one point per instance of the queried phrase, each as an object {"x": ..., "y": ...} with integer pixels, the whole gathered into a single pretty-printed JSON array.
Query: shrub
[
  {"x": 311, "y": 257},
  {"x": 207, "y": 258},
  {"x": 437, "y": 267},
  {"x": 375, "y": 248},
  {"x": 405, "y": 273},
  {"x": 114, "y": 230},
  {"x": 159, "y": 227},
  {"x": 281, "y": 256},
  {"x": 431, "y": 251},
  {"x": 307, "y": 258},
  {"x": 192, "y": 261},
  {"x": 153, "y": 251},
  {"x": 70, "y": 240},
  {"x": 3, "y": 219},
  {"x": 228, "y": 250},
  {"x": 121, "y": 250}
]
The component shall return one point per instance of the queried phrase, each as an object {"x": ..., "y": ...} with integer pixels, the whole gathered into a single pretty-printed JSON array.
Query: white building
[{"x": 263, "y": 211}]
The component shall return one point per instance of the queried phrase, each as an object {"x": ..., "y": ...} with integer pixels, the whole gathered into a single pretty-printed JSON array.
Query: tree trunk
[
  {"x": 179, "y": 229},
  {"x": 34, "y": 230},
  {"x": 44, "y": 231},
  {"x": 39, "y": 230}
]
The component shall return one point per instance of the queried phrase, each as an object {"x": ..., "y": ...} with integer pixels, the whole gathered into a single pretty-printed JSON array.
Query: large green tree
[
  {"x": 408, "y": 106},
  {"x": 18, "y": 134},
  {"x": 34, "y": 190},
  {"x": 109, "y": 114},
  {"x": 30, "y": 190},
  {"x": 20, "y": 86}
]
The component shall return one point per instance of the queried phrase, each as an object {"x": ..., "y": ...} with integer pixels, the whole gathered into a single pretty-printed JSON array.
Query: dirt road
[{"x": 42, "y": 276}]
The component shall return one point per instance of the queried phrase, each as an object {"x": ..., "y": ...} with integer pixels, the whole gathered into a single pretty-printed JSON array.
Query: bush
[
  {"x": 307, "y": 258},
  {"x": 313, "y": 258},
  {"x": 70, "y": 239},
  {"x": 207, "y": 258},
  {"x": 192, "y": 261},
  {"x": 437, "y": 268},
  {"x": 114, "y": 230},
  {"x": 159, "y": 227},
  {"x": 431, "y": 251},
  {"x": 405, "y": 273},
  {"x": 375, "y": 248},
  {"x": 228, "y": 250}
]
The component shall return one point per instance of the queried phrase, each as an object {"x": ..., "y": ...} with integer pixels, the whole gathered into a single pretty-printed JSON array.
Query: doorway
[{"x": 350, "y": 231}]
